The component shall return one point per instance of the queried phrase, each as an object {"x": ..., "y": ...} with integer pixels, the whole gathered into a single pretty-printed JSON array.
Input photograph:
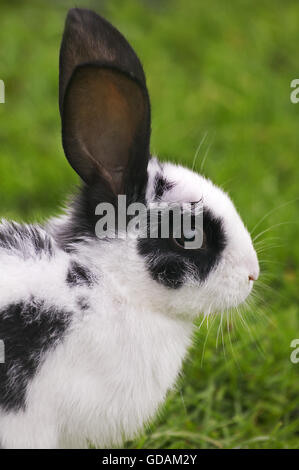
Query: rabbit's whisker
[{"x": 271, "y": 212}]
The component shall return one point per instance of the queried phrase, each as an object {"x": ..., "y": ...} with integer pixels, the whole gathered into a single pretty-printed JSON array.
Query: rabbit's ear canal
[{"x": 104, "y": 105}]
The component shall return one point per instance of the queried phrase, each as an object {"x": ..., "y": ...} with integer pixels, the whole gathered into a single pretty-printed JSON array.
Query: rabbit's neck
[{"x": 124, "y": 276}]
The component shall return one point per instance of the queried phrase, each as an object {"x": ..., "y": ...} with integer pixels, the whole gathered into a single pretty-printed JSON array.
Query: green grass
[{"x": 215, "y": 69}]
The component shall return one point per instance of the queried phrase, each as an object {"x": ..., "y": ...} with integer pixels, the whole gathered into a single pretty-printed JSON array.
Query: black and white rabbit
[{"x": 95, "y": 331}]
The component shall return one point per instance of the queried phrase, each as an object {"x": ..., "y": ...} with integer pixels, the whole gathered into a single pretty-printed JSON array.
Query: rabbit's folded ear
[{"x": 104, "y": 104}]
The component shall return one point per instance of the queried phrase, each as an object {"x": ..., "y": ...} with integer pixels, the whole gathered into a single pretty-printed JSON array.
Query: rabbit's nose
[
  {"x": 253, "y": 276},
  {"x": 252, "y": 267}
]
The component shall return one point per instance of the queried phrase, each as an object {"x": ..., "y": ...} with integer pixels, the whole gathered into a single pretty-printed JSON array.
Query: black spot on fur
[
  {"x": 170, "y": 264},
  {"x": 28, "y": 240},
  {"x": 29, "y": 330},
  {"x": 79, "y": 275},
  {"x": 83, "y": 303},
  {"x": 161, "y": 186}
]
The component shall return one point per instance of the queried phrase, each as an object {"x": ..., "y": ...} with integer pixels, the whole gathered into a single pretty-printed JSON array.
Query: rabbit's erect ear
[{"x": 104, "y": 104}]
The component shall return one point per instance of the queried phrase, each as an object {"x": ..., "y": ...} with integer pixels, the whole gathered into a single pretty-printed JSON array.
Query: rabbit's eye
[{"x": 189, "y": 236}]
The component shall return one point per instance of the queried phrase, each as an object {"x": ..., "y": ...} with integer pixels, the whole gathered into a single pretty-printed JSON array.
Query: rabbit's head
[{"x": 105, "y": 111}]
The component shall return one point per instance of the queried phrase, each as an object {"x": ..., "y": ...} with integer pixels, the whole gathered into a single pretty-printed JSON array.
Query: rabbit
[{"x": 96, "y": 329}]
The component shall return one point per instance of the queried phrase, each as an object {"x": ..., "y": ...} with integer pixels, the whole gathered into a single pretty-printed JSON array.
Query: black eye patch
[{"x": 169, "y": 263}]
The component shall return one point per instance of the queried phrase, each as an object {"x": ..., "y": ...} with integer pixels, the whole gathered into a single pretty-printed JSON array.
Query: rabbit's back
[
  {"x": 25, "y": 240},
  {"x": 35, "y": 305}
]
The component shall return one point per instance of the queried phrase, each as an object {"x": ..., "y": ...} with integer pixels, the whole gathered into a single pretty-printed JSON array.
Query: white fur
[{"x": 112, "y": 371}]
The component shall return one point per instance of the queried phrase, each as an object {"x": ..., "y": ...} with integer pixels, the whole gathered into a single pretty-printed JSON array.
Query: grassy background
[{"x": 219, "y": 70}]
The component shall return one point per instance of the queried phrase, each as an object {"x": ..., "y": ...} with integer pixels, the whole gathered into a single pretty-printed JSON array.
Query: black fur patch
[
  {"x": 29, "y": 330},
  {"x": 27, "y": 239},
  {"x": 83, "y": 303},
  {"x": 161, "y": 186},
  {"x": 169, "y": 264},
  {"x": 83, "y": 219},
  {"x": 79, "y": 275}
]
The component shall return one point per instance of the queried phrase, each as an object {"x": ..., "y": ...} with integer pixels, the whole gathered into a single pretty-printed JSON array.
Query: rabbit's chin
[
  {"x": 193, "y": 302},
  {"x": 220, "y": 293}
]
